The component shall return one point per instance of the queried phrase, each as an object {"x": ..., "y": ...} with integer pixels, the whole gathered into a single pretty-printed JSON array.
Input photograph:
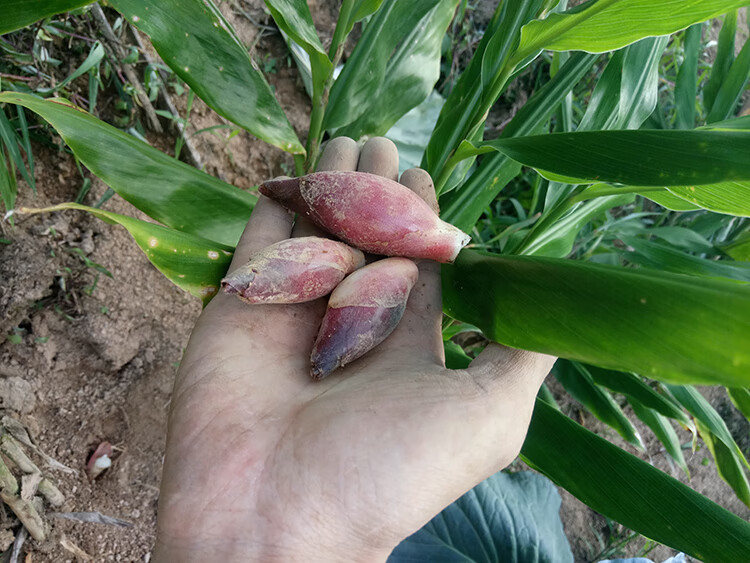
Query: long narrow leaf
[
  {"x": 635, "y": 389},
  {"x": 294, "y": 18},
  {"x": 665, "y": 158},
  {"x": 463, "y": 113},
  {"x": 365, "y": 70},
  {"x": 164, "y": 188},
  {"x": 578, "y": 382},
  {"x": 663, "y": 430},
  {"x": 190, "y": 262},
  {"x": 632, "y": 492},
  {"x": 732, "y": 87},
  {"x": 728, "y": 466},
  {"x": 724, "y": 58},
  {"x": 410, "y": 75},
  {"x": 464, "y": 205},
  {"x": 200, "y": 46},
  {"x": 656, "y": 255},
  {"x": 598, "y": 26},
  {"x": 686, "y": 86},
  {"x": 697, "y": 405},
  {"x": 740, "y": 397},
  {"x": 20, "y": 13},
  {"x": 659, "y": 324}
]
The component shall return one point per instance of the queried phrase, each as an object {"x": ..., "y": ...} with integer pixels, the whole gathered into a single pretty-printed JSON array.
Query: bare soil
[{"x": 92, "y": 358}]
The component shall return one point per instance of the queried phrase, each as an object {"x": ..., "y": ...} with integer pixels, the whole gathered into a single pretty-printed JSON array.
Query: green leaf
[
  {"x": 740, "y": 397},
  {"x": 665, "y": 158},
  {"x": 670, "y": 201},
  {"x": 656, "y": 255},
  {"x": 728, "y": 466},
  {"x": 631, "y": 491},
  {"x": 732, "y": 87},
  {"x": 663, "y": 430},
  {"x": 724, "y": 58},
  {"x": 366, "y": 69},
  {"x": 164, "y": 188},
  {"x": 190, "y": 262},
  {"x": 410, "y": 75},
  {"x": 10, "y": 140},
  {"x": 634, "y": 388},
  {"x": 362, "y": 9},
  {"x": 20, "y": 13},
  {"x": 627, "y": 92},
  {"x": 659, "y": 324},
  {"x": 686, "y": 86},
  {"x": 558, "y": 239},
  {"x": 8, "y": 187},
  {"x": 578, "y": 382},
  {"x": 510, "y": 517},
  {"x": 199, "y": 45},
  {"x": 462, "y": 116},
  {"x": 93, "y": 59},
  {"x": 293, "y": 18},
  {"x": 739, "y": 249},
  {"x": 598, "y": 26},
  {"x": 463, "y": 206},
  {"x": 697, "y": 405},
  {"x": 732, "y": 198},
  {"x": 455, "y": 357}
]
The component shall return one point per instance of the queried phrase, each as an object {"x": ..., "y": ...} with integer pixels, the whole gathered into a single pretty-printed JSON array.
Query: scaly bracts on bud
[
  {"x": 370, "y": 212},
  {"x": 293, "y": 271},
  {"x": 362, "y": 311}
]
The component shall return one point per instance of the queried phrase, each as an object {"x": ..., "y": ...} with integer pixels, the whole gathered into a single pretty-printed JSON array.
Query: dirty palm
[{"x": 561, "y": 260}]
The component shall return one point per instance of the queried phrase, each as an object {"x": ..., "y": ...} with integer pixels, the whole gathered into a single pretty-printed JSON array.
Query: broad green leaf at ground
[
  {"x": 190, "y": 262},
  {"x": 665, "y": 326},
  {"x": 631, "y": 491},
  {"x": 509, "y": 517},
  {"x": 20, "y": 13},
  {"x": 164, "y": 188},
  {"x": 199, "y": 45},
  {"x": 598, "y": 26}
]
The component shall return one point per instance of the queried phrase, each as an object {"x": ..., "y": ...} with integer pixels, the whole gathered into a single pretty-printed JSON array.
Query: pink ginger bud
[
  {"x": 293, "y": 271},
  {"x": 370, "y": 212},
  {"x": 362, "y": 311}
]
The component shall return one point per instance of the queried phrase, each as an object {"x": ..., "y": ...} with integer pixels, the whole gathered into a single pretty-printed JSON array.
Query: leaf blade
[
  {"x": 200, "y": 46},
  {"x": 631, "y": 491},
  {"x": 596, "y": 314},
  {"x": 164, "y": 188}
]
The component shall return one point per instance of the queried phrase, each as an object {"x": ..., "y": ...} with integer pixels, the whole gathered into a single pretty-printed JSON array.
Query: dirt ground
[{"x": 93, "y": 358}]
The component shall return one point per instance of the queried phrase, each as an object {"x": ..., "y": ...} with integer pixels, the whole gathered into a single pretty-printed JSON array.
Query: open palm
[{"x": 263, "y": 463}]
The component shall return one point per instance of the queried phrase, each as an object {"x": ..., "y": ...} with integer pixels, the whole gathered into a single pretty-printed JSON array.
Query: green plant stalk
[
  {"x": 320, "y": 98},
  {"x": 340, "y": 33}
]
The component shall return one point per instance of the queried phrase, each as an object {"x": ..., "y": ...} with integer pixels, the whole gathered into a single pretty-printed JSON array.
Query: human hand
[{"x": 265, "y": 464}]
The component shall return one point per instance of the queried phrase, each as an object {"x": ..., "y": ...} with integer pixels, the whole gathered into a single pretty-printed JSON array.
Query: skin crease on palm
[{"x": 265, "y": 464}]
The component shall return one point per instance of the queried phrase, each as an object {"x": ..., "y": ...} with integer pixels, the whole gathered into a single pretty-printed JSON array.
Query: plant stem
[{"x": 342, "y": 25}]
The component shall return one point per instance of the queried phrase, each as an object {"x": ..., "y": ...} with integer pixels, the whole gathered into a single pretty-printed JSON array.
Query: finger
[
  {"x": 342, "y": 154},
  {"x": 419, "y": 332},
  {"x": 379, "y": 156},
  {"x": 269, "y": 223}
]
